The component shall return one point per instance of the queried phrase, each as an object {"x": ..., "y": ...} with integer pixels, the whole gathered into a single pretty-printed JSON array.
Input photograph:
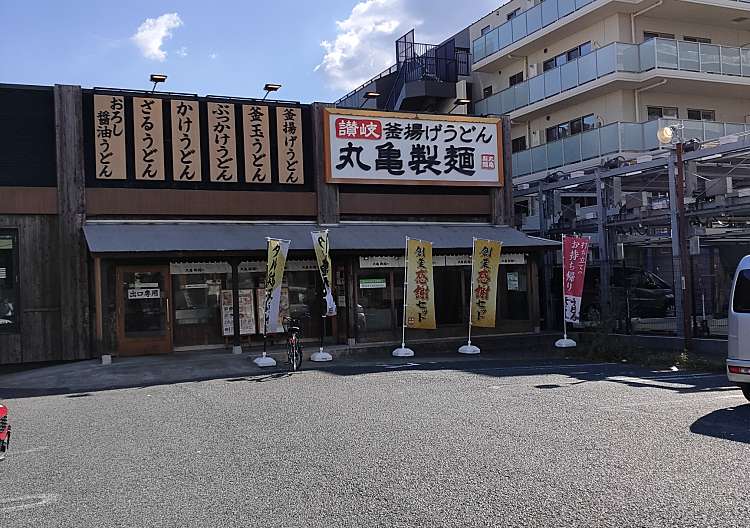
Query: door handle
[{"x": 169, "y": 312}]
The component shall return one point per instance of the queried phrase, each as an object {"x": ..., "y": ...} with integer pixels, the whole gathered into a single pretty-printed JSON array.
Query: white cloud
[
  {"x": 364, "y": 42},
  {"x": 212, "y": 56},
  {"x": 152, "y": 32},
  {"x": 182, "y": 52}
]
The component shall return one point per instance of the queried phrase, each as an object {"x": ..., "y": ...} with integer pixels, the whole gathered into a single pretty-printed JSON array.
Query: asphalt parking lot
[{"x": 436, "y": 444}]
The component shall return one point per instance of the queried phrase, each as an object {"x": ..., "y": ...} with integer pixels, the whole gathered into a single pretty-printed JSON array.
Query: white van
[{"x": 738, "y": 359}]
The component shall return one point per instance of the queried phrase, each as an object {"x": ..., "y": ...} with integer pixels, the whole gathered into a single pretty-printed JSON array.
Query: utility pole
[{"x": 685, "y": 275}]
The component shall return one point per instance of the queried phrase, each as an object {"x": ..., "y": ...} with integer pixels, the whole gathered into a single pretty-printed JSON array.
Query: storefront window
[
  {"x": 374, "y": 308},
  {"x": 8, "y": 281},
  {"x": 197, "y": 308}
]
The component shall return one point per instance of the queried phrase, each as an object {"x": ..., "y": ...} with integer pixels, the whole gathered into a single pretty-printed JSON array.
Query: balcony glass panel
[
  {"x": 572, "y": 149},
  {"x": 689, "y": 56},
  {"x": 549, "y": 12},
  {"x": 479, "y": 48},
  {"x": 536, "y": 88},
  {"x": 590, "y": 144},
  {"x": 610, "y": 138},
  {"x": 710, "y": 58},
  {"x": 647, "y": 55},
  {"x": 539, "y": 158},
  {"x": 627, "y": 58},
  {"x": 491, "y": 44},
  {"x": 733, "y": 128},
  {"x": 569, "y": 75},
  {"x": 631, "y": 135},
  {"x": 522, "y": 163},
  {"x": 551, "y": 82},
  {"x": 606, "y": 60},
  {"x": 565, "y": 7},
  {"x": 730, "y": 61},
  {"x": 519, "y": 26},
  {"x": 522, "y": 94},
  {"x": 650, "y": 140},
  {"x": 587, "y": 68},
  {"x": 693, "y": 130},
  {"x": 480, "y": 107},
  {"x": 581, "y": 3},
  {"x": 507, "y": 100},
  {"x": 555, "y": 154},
  {"x": 666, "y": 53},
  {"x": 745, "y": 58},
  {"x": 493, "y": 104},
  {"x": 712, "y": 129},
  {"x": 505, "y": 35},
  {"x": 534, "y": 19}
]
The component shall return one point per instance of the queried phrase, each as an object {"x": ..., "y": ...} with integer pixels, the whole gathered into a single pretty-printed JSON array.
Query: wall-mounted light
[
  {"x": 157, "y": 78},
  {"x": 270, "y": 87}
]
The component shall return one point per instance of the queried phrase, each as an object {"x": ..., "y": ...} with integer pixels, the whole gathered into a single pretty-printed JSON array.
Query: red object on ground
[{"x": 4, "y": 430}]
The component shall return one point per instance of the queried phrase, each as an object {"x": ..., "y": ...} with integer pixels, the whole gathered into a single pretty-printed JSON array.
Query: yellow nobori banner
[
  {"x": 484, "y": 268},
  {"x": 277, "y": 251},
  {"x": 420, "y": 292}
]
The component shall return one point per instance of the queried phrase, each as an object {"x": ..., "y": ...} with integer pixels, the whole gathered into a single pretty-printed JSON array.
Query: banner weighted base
[
  {"x": 236, "y": 350},
  {"x": 565, "y": 343},
  {"x": 321, "y": 356},
  {"x": 468, "y": 349},
  {"x": 265, "y": 361},
  {"x": 403, "y": 352}
]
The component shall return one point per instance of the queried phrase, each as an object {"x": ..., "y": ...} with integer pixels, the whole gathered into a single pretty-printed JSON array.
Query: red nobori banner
[
  {"x": 397, "y": 148},
  {"x": 575, "y": 253}
]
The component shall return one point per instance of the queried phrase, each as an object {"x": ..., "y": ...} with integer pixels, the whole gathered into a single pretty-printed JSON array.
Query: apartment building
[{"x": 587, "y": 80}]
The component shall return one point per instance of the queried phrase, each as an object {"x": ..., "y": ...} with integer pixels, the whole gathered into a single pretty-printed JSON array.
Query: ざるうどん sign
[{"x": 399, "y": 148}]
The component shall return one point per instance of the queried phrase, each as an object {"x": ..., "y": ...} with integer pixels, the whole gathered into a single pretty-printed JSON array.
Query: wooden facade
[{"x": 49, "y": 188}]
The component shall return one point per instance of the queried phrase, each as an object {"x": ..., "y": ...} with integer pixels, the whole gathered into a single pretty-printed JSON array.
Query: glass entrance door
[{"x": 143, "y": 316}]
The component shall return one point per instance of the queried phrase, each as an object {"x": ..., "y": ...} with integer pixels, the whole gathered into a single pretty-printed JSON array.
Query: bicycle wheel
[{"x": 297, "y": 356}]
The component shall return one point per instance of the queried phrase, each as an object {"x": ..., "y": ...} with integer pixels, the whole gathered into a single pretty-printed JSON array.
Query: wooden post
[
  {"x": 533, "y": 293},
  {"x": 501, "y": 199},
  {"x": 72, "y": 257},
  {"x": 236, "y": 342},
  {"x": 99, "y": 330},
  {"x": 327, "y": 194}
]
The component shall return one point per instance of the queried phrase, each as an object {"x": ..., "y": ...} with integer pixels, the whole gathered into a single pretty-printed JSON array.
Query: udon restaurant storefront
[{"x": 158, "y": 207}]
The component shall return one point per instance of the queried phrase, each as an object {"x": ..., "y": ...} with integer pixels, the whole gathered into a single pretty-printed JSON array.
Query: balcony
[
  {"x": 531, "y": 21},
  {"x": 610, "y": 140},
  {"x": 617, "y": 57}
]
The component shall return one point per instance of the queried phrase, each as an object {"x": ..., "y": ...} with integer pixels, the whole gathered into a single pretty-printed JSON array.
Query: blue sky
[{"x": 318, "y": 49}]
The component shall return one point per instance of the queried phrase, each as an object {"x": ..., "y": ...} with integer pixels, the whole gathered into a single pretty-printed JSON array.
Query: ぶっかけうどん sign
[{"x": 400, "y": 148}]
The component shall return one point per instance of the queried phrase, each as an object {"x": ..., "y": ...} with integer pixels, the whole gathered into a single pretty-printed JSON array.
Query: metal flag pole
[
  {"x": 403, "y": 351},
  {"x": 469, "y": 348},
  {"x": 564, "y": 342},
  {"x": 320, "y": 355}
]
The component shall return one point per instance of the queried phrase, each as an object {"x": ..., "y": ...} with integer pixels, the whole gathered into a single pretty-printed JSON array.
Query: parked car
[
  {"x": 632, "y": 290},
  {"x": 738, "y": 353},
  {"x": 4, "y": 431}
]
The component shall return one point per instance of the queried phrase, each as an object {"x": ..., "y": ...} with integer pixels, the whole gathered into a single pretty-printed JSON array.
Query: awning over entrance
[{"x": 166, "y": 237}]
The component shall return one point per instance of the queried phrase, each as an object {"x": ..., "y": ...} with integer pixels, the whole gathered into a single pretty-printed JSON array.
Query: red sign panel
[
  {"x": 575, "y": 254},
  {"x": 349, "y": 128}
]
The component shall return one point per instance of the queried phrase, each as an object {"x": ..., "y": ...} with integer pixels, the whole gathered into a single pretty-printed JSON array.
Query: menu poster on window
[{"x": 247, "y": 313}]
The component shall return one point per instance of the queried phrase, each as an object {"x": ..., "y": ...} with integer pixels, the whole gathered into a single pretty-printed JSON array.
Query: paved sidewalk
[{"x": 143, "y": 371}]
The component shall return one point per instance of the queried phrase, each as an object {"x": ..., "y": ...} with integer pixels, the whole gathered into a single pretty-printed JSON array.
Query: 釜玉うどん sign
[{"x": 399, "y": 148}]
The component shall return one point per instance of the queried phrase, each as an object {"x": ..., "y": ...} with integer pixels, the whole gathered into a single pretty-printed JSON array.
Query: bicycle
[{"x": 293, "y": 343}]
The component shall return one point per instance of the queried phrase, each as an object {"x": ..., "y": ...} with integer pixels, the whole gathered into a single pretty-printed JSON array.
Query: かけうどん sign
[{"x": 400, "y": 148}]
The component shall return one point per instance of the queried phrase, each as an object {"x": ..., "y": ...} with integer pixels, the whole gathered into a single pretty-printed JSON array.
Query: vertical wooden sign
[
  {"x": 221, "y": 142},
  {"x": 148, "y": 134},
  {"x": 186, "y": 141},
  {"x": 109, "y": 137},
  {"x": 289, "y": 140},
  {"x": 257, "y": 144}
]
